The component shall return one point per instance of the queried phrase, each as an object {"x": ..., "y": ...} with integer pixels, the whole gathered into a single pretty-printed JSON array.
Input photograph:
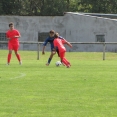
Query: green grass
[{"x": 87, "y": 89}]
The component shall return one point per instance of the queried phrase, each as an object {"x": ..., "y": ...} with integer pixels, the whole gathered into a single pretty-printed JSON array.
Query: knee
[
  {"x": 16, "y": 52},
  {"x": 53, "y": 53},
  {"x": 10, "y": 52}
]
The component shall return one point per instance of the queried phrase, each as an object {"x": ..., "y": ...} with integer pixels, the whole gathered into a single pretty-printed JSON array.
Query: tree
[
  {"x": 56, "y": 7},
  {"x": 98, "y": 6}
]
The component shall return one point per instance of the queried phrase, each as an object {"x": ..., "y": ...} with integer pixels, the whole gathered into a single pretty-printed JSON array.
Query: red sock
[
  {"x": 65, "y": 61},
  {"x": 8, "y": 58},
  {"x": 18, "y": 57}
]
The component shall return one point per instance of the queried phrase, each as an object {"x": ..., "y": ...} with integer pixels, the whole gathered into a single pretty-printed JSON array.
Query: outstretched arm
[
  {"x": 44, "y": 45},
  {"x": 69, "y": 44}
]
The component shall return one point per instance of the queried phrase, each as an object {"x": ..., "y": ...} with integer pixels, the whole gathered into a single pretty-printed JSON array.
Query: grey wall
[
  {"x": 84, "y": 28},
  {"x": 72, "y": 26},
  {"x": 29, "y": 27}
]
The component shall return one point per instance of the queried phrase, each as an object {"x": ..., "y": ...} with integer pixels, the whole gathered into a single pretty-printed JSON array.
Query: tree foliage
[
  {"x": 98, "y": 6},
  {"x": 56, "y": 7}
]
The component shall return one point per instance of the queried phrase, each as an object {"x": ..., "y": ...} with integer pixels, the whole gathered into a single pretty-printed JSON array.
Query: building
[{"x": 75, "y": 27}]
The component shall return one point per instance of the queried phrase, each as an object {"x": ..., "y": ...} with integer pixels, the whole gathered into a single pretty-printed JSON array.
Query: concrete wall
[
  {"x": 72, "y": 26},
  {"x": 30, "y": 26},
  {"x": 83, "y": 28}
]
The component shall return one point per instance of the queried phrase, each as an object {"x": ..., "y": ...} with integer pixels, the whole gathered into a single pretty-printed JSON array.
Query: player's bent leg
[
  {"x": 68, "y": 63},
  {"x": 50, "y": 58},
  {"x": 18, "y": 57},
  {"x": 52, "y": 54},
  {"x": 64, "y": 60},
  {"x": 10, "y": 47}
]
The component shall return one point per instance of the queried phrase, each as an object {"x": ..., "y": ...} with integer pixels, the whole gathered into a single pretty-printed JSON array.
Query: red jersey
[
  {"x": 59, "y": 44},
  {"x": 10, "y": 34}
]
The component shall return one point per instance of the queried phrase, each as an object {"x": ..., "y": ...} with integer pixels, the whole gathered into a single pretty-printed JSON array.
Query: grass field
[{"x": 87, "y": 89}]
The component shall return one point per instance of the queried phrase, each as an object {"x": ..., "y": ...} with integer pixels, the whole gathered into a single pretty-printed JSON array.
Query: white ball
[{"x": 58, "y": 63}]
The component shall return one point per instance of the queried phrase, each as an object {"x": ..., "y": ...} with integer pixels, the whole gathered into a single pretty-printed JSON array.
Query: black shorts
[{"x": 56, "y": 51}]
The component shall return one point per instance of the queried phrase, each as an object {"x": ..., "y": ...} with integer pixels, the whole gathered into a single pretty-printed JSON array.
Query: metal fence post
[
  {"x": 38, "y": 45},
  {"x": 38, "y": 48},
  {"x": 104, "y": 47}
]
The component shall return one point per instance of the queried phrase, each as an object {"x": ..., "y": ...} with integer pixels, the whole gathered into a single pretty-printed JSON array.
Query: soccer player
[
  {"x": 60, "y": 45},
  {"x": 50, "y": 39},
  {"x": 13, "y": 42}
]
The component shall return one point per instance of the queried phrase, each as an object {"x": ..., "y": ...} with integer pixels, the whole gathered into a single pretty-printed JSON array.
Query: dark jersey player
[{"x": 50, "y": 39}]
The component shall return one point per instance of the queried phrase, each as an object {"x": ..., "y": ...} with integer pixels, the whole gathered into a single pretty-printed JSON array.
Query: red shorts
[{"x": 13, "y": 47}]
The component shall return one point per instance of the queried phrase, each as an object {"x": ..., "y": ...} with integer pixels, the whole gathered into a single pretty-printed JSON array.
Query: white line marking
[{"x": 20, "y": 76}]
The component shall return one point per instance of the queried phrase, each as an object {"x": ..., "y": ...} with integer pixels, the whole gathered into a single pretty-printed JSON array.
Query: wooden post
[
  {"x": 38, "y": 48},
  {"x": 104, "y": 48}
]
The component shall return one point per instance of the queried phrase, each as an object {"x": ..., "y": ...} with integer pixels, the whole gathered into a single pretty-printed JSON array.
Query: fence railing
[{"x": 38, "y": 45}]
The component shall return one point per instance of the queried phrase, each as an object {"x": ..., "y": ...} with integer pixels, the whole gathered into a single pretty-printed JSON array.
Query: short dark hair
[
  {"x": 10, "y": 24},
  {"x": 52, "y": 31},
  {"x": 56, "y": 35}
]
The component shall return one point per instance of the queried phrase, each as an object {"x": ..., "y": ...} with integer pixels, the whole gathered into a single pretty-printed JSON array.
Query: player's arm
[
  {"x": 69, "y": 44},
  {"x": 7, "y": 36},
  {"x": 43, "y": 50},
  {"x": 66, "y": 42},
  {"x": 60, "y": 37},
  {"x": 55, "y": 46},
  {"x": 17, "y": 34},
  {"x": 44, "y": 46}
]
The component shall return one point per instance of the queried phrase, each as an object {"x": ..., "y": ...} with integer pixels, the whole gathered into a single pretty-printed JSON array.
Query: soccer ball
[{"x": 58, "y": 63}]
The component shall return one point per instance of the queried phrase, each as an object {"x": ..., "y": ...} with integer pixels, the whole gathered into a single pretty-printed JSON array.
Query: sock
[
  {"x": 65, "y": 61},
  {"x": 49, "y": 60},
  {"x": 8, "y": 58},
  {"x": 18, "y": 57}
]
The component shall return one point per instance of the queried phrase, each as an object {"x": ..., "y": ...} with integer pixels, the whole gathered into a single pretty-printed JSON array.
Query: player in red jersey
[
  {"x": 13, "y": 42},
  {"x": 59, "y": 44}
]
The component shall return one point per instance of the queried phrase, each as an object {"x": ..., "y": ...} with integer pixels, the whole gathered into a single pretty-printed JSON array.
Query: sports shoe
[
  {"x": 7, "y": 64},
  {"x": 47, "y": 64},
  {"x": 20, "y": 63},
  {"x": 68, "y": 66}
]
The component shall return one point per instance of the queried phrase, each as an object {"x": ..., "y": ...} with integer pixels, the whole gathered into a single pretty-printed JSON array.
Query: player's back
[{"x": 59, "y": 44}]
